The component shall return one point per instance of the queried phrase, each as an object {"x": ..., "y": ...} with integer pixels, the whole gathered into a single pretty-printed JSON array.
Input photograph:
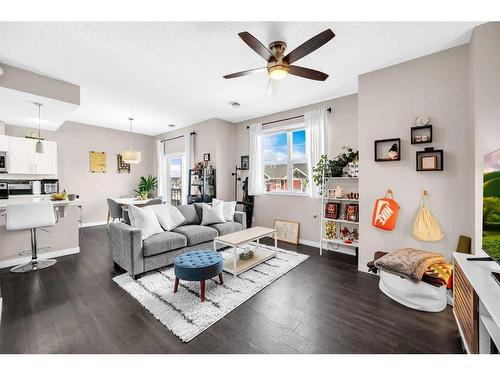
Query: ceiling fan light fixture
[{"x": 278, "y": 72}]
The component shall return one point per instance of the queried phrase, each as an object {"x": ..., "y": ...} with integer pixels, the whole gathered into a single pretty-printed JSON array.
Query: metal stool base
[{"x": 33, "y": 265}]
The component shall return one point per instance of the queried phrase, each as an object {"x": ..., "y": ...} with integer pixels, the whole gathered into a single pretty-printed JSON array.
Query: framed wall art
[
  {"x": 245, "y": 162},
  {"x": 97, "y": 162},
  {"x": 287, "y": 231},
  {"x": 121, "y": 166}
]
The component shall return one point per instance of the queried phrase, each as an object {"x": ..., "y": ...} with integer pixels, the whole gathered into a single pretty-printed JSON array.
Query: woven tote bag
[{"x": 426, "y": 227}]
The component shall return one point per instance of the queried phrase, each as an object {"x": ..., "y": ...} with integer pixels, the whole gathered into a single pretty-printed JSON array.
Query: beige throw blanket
[{"x": 408, "y": 263}]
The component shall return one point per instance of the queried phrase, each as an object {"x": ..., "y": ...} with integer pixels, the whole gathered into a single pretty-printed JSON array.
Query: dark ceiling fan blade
[
  {"x": 245, "y": 73},
  {"x": 307, "y": 73},
  {"x": 257, "y": 46},
  {"x": 309, "y": 46}
]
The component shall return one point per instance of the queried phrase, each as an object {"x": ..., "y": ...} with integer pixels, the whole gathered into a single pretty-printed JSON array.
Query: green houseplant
[
  {"x": 146, "y": 186},
  {"x": 335, "y": 167}
]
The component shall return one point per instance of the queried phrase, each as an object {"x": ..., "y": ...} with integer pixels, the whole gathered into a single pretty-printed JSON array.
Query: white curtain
[
  {"x": 256, "y": 168},
  {"x": 162, "y": 170},
  {"x": 189, "y": 148},
  {"x": 316, "y": 142}
]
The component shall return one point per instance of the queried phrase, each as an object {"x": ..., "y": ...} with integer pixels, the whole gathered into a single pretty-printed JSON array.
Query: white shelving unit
[{"x": 324, "y": 242}]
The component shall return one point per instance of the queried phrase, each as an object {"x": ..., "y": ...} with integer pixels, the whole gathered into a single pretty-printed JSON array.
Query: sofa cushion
[
  {"x": 145, "y": 219},
  {"x": 190, "y": 214},
  {"x": 168, "y": 216},
  {"x": 196, "y": 234},
  {"x": 163, "y": 242},
  {"x": 212, "y": 214},
  {"x": 229, "y": 208},
  {"x": 228, "y": 227}
]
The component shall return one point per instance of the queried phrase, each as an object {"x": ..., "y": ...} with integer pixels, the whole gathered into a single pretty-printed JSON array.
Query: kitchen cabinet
[
  {"x": 22, "y": 158},
  {"x": 3, "y": 143}
]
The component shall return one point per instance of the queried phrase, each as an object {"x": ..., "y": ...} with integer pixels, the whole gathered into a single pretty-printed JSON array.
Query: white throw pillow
[
  {"x": 213, "y": 214},
  {"x": 168, "y": 216},
  {"x": 144, "y": 219},
  {"x": 229, "y": 208}
]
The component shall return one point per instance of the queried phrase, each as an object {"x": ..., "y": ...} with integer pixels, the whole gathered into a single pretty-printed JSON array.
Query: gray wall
[
  {"x": 342, "y": 130},
  {"x": 485, "y": 85},
  {"x": 215, "y": 137},
  {"x": 74, "y": 141},
  {"x": 388, "y": 101}
]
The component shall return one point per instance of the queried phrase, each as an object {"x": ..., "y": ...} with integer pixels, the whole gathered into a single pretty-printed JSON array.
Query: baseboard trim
[
  {"x": 341, "y": 249},
  {"x": 93, "y": 224},
  {"x": 11, "y": 262}
]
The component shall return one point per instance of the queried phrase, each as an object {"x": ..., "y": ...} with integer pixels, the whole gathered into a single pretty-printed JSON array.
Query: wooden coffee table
[{"x": 249, "y": 236}]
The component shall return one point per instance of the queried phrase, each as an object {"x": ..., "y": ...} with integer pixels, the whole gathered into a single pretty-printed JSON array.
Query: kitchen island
[{"x": 58, "y": 240}]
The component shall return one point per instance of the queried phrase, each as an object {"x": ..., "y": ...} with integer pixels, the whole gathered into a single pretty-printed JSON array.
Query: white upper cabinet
[
  {"x": 22, "y": 158},
  {"x": 4, "y": 145},
  {"x": 46, "y": 163}
]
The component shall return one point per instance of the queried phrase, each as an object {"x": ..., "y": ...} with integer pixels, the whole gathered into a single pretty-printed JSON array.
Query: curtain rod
[
  {"x": 329, "y": 110},
  {"x": 180, "y": 136}
]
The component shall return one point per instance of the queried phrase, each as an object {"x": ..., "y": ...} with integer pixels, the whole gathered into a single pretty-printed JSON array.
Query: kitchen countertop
[{"x": 31, "y": 199}]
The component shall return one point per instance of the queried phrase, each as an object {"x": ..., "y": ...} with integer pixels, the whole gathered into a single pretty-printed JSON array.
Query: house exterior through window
[{"x": 285, "y": 161}]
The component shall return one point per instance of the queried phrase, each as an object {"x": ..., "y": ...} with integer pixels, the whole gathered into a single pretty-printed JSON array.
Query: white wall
[
  {"x": 485, "y": 85},
  {"x": 388, "y": 101},
  {"x": 74, "y": 141},
  {"x": 342, "y": 130}
]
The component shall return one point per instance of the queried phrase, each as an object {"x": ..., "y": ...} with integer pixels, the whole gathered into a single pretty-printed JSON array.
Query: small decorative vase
[
  {"x": 338, "y": 192},
  {"x": 144, "y": 194}
]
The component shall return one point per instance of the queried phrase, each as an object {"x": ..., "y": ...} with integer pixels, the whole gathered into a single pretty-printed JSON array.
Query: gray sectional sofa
[{"x": 136, "y": 256}]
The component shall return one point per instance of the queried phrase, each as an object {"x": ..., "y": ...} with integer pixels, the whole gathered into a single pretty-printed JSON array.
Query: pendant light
[
  {"x": 131, "y": 156},
  {"x": 39, "y": 144}
]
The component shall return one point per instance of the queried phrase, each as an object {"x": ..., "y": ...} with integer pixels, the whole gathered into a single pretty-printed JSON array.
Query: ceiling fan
[{"x": 279, "y": 65}]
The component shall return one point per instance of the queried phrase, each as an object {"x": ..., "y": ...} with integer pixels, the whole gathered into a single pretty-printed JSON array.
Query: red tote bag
[{"x": 385, "y": 212}]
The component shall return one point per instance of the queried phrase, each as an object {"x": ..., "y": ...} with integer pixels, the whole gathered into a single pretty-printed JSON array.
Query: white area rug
[{"x": 183, "y": 313}]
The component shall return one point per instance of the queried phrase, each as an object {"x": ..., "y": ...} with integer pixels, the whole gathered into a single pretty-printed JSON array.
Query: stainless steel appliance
[
  {"x": 50, "y": 186},
  {"x": 3, "y": 161},
  {"x": 19, "y": 187},
  {"x": 4, "y": 190}
]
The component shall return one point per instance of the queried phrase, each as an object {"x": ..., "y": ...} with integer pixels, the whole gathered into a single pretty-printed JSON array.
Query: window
[
  {"x": 285, "y": 161},
  {"x": 174, "y": 179}
]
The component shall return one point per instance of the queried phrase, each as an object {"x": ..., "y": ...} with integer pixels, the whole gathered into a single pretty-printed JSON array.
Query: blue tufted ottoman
[{"x": 199, "y": 265}]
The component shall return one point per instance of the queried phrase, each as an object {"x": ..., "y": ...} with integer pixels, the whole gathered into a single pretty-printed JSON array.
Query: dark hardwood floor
[{"x": 323, "y": 306}]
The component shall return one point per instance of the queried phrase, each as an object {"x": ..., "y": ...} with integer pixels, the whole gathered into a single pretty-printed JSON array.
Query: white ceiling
[
  {"x": 163, "y": 73},
  {"x": 18, "y": 108}
]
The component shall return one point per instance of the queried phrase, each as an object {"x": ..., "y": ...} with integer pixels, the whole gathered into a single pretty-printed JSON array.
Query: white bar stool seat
[{"x": 31, "y": 216}]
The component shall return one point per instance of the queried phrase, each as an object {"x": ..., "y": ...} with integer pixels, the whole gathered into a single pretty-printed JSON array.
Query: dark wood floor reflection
[{"x": 323, "y": 306}]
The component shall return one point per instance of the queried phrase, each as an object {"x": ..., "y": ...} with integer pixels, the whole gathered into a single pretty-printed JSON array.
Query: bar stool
[{"x": 31, "y": 216}]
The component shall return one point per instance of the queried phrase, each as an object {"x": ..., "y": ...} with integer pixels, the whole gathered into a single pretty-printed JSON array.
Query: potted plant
[
  {"x": 146, "y": 186},
  {"x": 335, "y": 167}
]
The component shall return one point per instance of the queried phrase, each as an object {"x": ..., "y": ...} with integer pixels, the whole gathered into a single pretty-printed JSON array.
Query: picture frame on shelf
[
  {"x": 421, "y": 134},
  {"x": 429, "y": 160},
  {"x": 387, "y": 149},
  {"x": 351, "y": 212},
  {"x": 332, "y": 210},
  {"x": 206, "y": 157}
]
